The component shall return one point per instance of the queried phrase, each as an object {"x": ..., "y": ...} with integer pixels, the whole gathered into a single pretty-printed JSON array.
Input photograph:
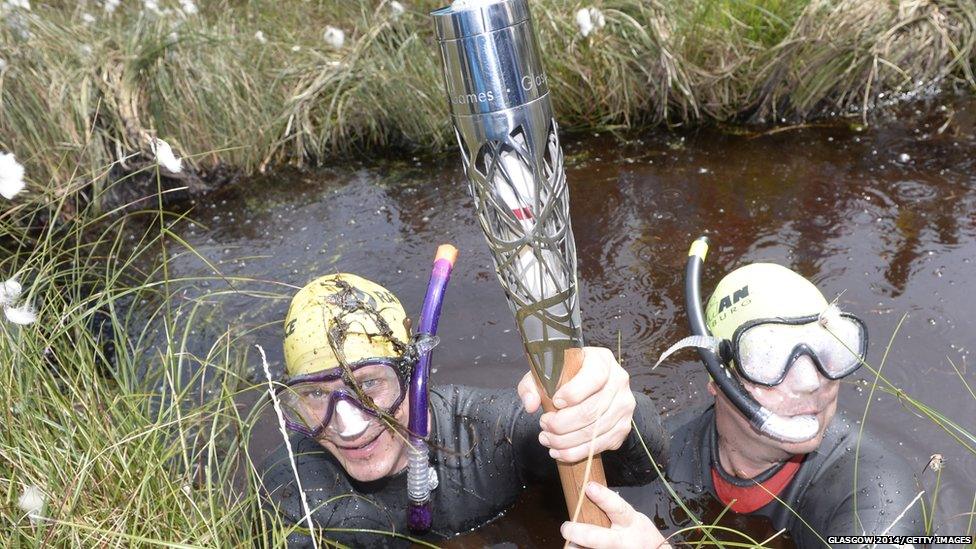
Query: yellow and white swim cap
[
  {"x": 758, "y": 291},
  {"x": 343, "y": 304}
]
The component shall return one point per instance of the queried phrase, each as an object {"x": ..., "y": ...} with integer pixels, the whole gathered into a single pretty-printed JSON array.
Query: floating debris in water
[{"x": 11, "y": 176}]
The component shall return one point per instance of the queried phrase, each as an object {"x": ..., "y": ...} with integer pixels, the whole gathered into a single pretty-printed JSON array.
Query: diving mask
[
  {"x": 346, "y": 401},
  {"x": 764, "y": 350}
]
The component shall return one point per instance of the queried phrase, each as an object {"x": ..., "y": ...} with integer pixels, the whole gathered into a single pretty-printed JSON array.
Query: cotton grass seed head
[
  {"x": 584, "y": 22},
  {"x": 590, "y": 20},
  {"x": 397, "y": 9},
  {"x": 21, "y": 4},
  {"x": 189, "y": 7},
  {"x": 10, "y": 291},
  {"x": 111, "y": 5},
  {"x": 165, "y": 157},
  {"x": 21, "y": 315},
  {"x": 11, "y": 176},
  {"x": 259, "y": 36},
  {"x": 31, "y": 501},
  {"x": 334, "y": 37},
  {"x": 597, "y": 17}
]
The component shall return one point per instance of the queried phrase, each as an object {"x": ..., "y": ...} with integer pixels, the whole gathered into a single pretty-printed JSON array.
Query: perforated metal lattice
[{"x": 522, "y": 200}]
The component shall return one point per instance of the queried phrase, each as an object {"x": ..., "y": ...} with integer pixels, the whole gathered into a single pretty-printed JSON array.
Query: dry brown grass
[{"x": 87, "y": 94}]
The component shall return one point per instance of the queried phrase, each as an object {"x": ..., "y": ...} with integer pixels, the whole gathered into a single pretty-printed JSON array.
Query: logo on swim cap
[
  {"x": 760, "y": 290},
  {"x": 736, "y": 296}
]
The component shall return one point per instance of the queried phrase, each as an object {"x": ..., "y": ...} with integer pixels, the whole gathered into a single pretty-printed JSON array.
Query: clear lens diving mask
[
  {"x": 764, "y": 350},
  {"x": 344, "y": 401}
]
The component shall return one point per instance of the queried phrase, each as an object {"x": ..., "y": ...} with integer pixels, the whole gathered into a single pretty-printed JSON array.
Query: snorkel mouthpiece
[
  {"x": 787, "y": 429},
  {"x": 421, "y": 477}
]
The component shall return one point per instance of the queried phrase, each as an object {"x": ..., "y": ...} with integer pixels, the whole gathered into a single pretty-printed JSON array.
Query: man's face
[
  {"x": 804, "y": 391},
  {"x": 373, "y": 454}
]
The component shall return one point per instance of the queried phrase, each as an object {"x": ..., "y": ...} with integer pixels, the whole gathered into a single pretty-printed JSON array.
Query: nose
[
  {"x": 348, "y": 421},
  {"x": 803, "y": 376}
]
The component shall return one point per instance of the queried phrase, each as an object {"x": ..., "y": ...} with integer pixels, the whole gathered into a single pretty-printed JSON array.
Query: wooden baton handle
[{"x": 572, "y": 475}]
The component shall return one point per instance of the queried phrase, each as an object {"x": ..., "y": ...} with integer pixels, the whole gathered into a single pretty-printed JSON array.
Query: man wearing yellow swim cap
[
  {"x": 348, "y": 359},
  {"x": 787, "y": 348}
]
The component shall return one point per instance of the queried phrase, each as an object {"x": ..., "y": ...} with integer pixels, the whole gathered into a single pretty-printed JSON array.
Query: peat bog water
[{"x": 885, "y": 217}]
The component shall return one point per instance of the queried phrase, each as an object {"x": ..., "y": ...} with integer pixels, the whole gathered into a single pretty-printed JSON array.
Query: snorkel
[
  {"x": 421, "y": 477},
  {"x": 787, "y": 429}
]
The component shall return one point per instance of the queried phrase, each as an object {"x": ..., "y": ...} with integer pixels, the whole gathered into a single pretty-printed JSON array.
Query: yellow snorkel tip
[
  {"x": 448, "y": 252},
  {"x": 699, "y": 248}
]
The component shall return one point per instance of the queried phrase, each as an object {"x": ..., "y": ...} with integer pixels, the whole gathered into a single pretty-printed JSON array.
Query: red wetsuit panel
[{"x": 751, "y": 498}]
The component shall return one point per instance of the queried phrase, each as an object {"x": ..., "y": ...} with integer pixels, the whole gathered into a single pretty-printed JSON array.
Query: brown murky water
[{"x": 885, "y": 216}]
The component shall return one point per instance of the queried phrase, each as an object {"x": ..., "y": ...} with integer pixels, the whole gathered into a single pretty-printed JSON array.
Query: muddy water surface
[{"x": 883, "y": 216}]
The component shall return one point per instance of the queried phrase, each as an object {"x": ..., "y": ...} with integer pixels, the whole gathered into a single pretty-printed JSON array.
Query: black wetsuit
[
  {"x": 822, "y": 488},
  {"x": 484, "y": 447}
]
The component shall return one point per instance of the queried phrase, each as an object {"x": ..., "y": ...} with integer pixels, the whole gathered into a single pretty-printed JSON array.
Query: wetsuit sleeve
[{"x": 630, "y": 464}]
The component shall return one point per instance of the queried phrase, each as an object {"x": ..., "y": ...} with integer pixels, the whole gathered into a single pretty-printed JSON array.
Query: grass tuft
[{"x": 97, "y": 92}]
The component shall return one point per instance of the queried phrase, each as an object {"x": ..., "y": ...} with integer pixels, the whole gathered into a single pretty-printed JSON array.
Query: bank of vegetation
[
  {"x": 259, "y": 84},
  {"x": 111, "y": 438}
]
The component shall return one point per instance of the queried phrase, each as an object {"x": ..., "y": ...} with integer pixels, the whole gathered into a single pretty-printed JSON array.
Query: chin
[
  {"x": 803, "y": 447},
  {"x": 824, "y": 417}
]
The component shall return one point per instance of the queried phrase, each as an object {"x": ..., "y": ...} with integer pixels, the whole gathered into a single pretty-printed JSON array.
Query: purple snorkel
[{"x": 421, "y": 478}]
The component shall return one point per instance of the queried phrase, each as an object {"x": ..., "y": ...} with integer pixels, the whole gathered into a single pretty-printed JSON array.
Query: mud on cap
[
  {"x": 352, "y": 301},
  {"x": 760, "y": 290}
]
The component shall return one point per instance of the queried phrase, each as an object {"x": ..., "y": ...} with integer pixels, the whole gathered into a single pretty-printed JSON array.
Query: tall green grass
[
  {"x": 97, "y": 92},
  {"x": 123, "y": 457}
]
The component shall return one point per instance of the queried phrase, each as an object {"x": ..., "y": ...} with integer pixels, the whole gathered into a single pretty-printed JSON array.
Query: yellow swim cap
[
  {"x": 760, "y": 290},
  {"x": 353, "y": 310}
]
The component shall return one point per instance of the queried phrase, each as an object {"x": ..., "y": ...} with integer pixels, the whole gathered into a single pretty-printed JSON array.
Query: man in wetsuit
[
  {"x": 789, "y": 348},
  {"x": 348, "y": 358}
]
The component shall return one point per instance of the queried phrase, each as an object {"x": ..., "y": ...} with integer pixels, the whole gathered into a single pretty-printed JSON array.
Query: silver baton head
[{"x": 502, "y": 114}]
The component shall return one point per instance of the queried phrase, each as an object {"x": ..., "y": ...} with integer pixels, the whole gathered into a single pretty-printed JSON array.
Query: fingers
[
  {"x": 577, "y": 416},
  {"x": 614, "y": 401},
  {"x": 593, "y": 375},
  {"x": 576, "y": 446},
  {"x": 587, "y": 535},
  {"x": 629, "y": 528},
  {"x": 618, "y": 511},
  {"x": 528, "y": 391}
]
